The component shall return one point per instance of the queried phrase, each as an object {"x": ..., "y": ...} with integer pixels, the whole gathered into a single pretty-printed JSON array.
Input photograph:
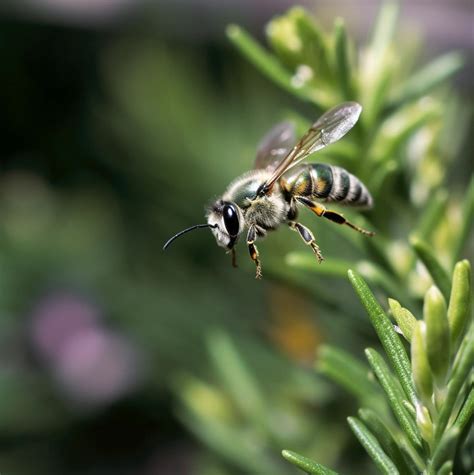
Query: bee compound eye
[{"x": 231, "y": 220}]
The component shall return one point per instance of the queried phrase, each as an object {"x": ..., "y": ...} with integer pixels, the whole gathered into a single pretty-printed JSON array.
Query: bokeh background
[{"x": 120, "y": 121}]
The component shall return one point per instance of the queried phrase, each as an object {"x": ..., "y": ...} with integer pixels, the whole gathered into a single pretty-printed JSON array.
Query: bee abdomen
[
  {"x": 343, "y": 187},
  {"x": 332, "y": 184}
]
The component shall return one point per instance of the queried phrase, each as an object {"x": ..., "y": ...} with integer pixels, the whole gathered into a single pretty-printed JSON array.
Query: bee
[{"x": 269, "y": 195}]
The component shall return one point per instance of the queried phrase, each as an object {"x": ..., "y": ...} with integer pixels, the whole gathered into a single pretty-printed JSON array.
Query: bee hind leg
[
  {"x": 251, "y": 238},
  {"x": 307, "y": 237},
  {"x": 333, "y": 216}
]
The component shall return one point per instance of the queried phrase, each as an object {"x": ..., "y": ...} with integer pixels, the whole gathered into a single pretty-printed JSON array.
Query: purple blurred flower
[
  {"x": 56, "y": 318},
  {"x": 96, "y": 367},
  {"x": 91, "y": 364}
]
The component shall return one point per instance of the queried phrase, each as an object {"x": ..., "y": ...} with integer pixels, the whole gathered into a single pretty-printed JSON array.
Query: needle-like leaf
[
  {"x": 404, "y": 318},
  {"x": 466, "y": 224},
  {"x": 394, "y": 396},
  {"x": 460, "y": 302},
  {"x": 466, "y": 413},
  {"x": 347, "y": 371},
  {"x": 387, "y": 335},
  {"x": 306, "y": 464},
  {"x": 433, "y": 215},
  {"x": 372, "y": 446},
  {"x": 266, "y": 62},
  {"x": 343, "y": 69},
  {"x": 445, "y": 449},
  {"x": 439, "y": 275},
  {"x": 437, "y": 334},
  {"x": 419, "y": 361},
  {"x": 235, "y": 375},
  {"x": 446, "y": 468},
  {"x": 461, "y": 370},
  {"x": 386, "y": 440},
  {"x": 426, "y": 79}
]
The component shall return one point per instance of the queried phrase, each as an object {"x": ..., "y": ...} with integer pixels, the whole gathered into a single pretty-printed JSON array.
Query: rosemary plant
[{"x": 430, "y": 395}]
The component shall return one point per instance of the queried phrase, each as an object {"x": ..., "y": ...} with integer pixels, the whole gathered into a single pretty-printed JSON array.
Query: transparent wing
[
  {"x": 275, "y": 145},
  {"x": 329, "y": 128}
]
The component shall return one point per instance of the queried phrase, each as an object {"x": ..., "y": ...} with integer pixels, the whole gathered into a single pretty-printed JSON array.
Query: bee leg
[
  {"x": 251, "y": 238},
  {"x": 307, "y": 237},
  {"x": 234, "y": 259},
  {"x": 334, "y": 216}
]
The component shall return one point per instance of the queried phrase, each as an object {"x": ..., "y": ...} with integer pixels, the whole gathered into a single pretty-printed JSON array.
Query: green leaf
[
  {"x": 380, "y": 176},
  {"x": 267, "y": 63},
  {"x": 404, "y": 318},
  {"x": 402, "y": 127},
  {"x": 424, "y": 423},
  {"x": 296, "y": 39},
  {"x": 384, "y": 30},
  {"x": 466, "y": 223},
  {"x": 460, "y": 302},
  {"x": 419, "y": 363},
  {"x": 422, "y": 82},
  {"x": 432, "y": 215},
  {"x": 343, "y": 69},
  {"x": 459, "y": 376},
  {"x": 347, "y": 371},
  {"x": 377, "y": 71},
  {"x": 439, "y": 275},
  {"x": 372, "y": 446},
  {"x": 385, "y": 439},
  {"x": 466, "y": 413},
  {"x": 235, "y": 375},
  {"x": 232, "y": 444},
  {"x": 387, "y": 335},
  {"x": 306, "y": 464},
  {"x": 437, "y": 334},
  {"x": 446, "y": 468},
  {"x": 445, "y": 449},
  {"x": 394, "y": 396}
]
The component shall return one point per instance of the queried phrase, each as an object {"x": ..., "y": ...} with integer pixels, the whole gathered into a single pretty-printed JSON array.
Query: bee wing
[
  {"x": 275, "y": 145},
  {"x": 329, "y": 128}
]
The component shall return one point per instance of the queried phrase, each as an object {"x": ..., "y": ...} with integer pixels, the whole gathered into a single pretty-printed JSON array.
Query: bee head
[{"x": 224, "y": 219}]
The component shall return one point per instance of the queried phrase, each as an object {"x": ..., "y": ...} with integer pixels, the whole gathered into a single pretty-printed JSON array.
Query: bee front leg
[
  {"x": 307, "y": 237},
  {"x": 333, "y": 216},
  {"x": 251, "y": 238}
]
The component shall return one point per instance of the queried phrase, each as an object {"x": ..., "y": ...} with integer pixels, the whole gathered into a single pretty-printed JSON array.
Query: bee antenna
[{"x": 184, "y": 231}]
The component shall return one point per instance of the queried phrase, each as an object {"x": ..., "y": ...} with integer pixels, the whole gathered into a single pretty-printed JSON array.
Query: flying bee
[{"x": 269, "y": 195}]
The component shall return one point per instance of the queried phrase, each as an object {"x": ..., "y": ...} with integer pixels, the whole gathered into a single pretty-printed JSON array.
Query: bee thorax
[{"x": 268, "y": 212}]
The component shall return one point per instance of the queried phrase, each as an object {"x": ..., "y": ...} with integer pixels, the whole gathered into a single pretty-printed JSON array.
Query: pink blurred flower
[
  {"x": 91, "y": 364},
  {"x": 96, "y": 367},
  {"x": 58, "y": 316}
]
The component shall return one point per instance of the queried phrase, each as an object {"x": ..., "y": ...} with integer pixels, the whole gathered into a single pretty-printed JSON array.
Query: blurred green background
[{"x": 121, "y": 120}]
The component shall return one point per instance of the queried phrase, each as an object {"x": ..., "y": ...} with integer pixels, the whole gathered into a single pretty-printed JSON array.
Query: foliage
[
  {"x": 415, "y": 411},
  {"x": 430, "y": 397}
]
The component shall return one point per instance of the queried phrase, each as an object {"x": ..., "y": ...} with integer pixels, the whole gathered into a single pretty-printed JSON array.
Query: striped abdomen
[{"x": 328, "y": 183}]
